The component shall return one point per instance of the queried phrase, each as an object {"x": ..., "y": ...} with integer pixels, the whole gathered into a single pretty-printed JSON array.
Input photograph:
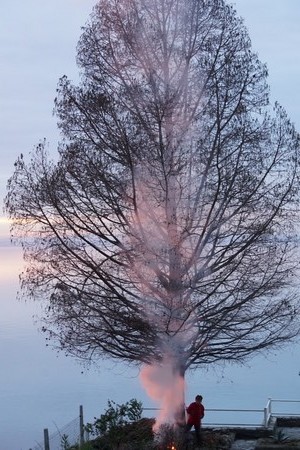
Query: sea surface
[{"x": 40, "y": 388}]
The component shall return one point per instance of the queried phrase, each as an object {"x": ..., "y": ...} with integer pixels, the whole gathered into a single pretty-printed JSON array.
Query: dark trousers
[{"x": 188, "y": 428}]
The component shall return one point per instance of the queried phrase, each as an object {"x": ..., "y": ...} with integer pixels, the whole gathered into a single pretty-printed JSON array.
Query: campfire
[{"x": 171, "y": 447}]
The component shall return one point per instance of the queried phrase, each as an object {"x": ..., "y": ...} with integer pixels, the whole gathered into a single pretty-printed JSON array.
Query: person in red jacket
[{"x": 195, "y": 413}]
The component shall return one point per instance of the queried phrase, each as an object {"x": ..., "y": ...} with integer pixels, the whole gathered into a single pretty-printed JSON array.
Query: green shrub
[{"x": 116, "y": 416}]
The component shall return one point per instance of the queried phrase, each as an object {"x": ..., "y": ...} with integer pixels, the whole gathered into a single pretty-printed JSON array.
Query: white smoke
[{"x": 166, "y": 387}]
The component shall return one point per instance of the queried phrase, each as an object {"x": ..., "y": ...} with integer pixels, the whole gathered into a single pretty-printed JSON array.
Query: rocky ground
[
  {"x": 284, "y": 435},
  {"x": 243, "y": 444}
]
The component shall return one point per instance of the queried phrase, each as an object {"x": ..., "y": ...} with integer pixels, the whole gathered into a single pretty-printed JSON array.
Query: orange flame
[{"x": 171, "y": 447}]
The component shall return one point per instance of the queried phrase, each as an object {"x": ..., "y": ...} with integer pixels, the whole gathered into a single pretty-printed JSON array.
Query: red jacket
[{"x": 195, "y": 413}]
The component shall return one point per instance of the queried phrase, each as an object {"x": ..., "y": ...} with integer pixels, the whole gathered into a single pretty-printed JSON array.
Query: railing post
[
  {"x": 46, "y": 439},
  {"x": 81, "y": 427},
  {"x": 266, "y": 416},
  {"x": 267, "y": 413}
]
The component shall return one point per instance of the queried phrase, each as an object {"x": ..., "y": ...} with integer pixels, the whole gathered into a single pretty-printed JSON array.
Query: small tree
[
  {"x": 120, "y": 425},
  {"x": 166, "y": 230},
  {"x": 115, "y": 417}
]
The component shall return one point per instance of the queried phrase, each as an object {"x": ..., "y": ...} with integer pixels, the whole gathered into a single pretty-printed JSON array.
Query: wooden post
[
  {"x": 46, "y": 439},
  {"x": 81, "y": 427}
]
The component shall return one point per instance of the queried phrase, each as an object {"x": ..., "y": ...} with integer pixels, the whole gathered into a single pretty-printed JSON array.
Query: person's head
[{"x": 198, "y": 398}]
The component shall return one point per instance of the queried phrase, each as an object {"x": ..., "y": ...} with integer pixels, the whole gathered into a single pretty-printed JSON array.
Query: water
[{"x": 42, "y": 389}]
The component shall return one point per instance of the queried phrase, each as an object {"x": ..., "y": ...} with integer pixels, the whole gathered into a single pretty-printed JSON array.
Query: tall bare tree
[{"x": 167, "y": 226}]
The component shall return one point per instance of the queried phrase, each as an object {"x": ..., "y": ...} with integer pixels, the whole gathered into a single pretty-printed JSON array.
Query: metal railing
[
  {"x": 223, "y": 417},
  {"x": 250, "y": 418},
  {"x": 290, "y": 408},
  {"x": 259, "y": 418}
]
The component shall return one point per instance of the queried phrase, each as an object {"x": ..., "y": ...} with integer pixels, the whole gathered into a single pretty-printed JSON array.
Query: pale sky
[{"x": 38, "y": 45}]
